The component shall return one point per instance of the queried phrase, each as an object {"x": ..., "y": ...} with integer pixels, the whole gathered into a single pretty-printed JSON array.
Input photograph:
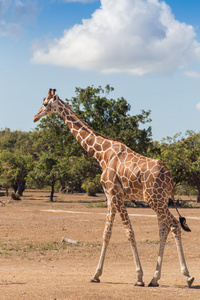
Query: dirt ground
[{"x": 36, "y": 265}]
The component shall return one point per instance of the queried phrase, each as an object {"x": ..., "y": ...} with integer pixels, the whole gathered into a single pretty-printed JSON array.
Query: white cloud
[
  {"x": 135, "y": 36},
  {"x": 192, "y": 74},
  {"x": 198, "y": 106}
]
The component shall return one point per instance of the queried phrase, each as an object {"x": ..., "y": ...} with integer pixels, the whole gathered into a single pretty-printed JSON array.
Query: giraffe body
[{"x": 125, "y": 174}]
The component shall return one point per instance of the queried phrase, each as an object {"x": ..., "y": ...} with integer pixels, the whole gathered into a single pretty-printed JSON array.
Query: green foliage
[
  {"x": 17, "y": 140},
  {"x": 52, "y": 135},
  {"x": 185, "y": 189},
  {"x": 107, "y": 116},
  {"x": 6, "y": 176},
  {"x": 111, "y": 117},
  {"x": 74, "y": 166},
  {"x": 16, "y": 166},
  {"x": 182, "y": 155},
  {"x": 92, "y": 186},
  {"x": 16, "y": 157},
  {"x": 15, "y": 196},
  {"x": 45, "y": 173},
  {"x": 50, "y": 155}
]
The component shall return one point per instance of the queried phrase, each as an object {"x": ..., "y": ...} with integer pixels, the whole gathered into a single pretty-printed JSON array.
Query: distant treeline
[{"x": 51, "y": 156}]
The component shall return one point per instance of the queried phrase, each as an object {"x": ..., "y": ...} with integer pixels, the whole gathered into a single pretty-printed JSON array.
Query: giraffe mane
[
  {"x": 106, "y": 137},
  {"x": 52, "y": 93},
  {"x": 91, "y": 129}
]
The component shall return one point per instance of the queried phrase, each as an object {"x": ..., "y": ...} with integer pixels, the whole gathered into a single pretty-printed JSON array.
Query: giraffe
[{"x": 125, "y": 174}]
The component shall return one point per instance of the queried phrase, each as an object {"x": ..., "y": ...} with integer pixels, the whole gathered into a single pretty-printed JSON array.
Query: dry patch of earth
[{"x": 36, "y": 265}]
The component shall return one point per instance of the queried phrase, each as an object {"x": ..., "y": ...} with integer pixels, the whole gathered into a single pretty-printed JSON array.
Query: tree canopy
[
  {"x": 51, "y": 156},
  {"x": 111, "y": 117},
  {"x": 105, "y": 115},
  {"x": 182, "y": 155}
]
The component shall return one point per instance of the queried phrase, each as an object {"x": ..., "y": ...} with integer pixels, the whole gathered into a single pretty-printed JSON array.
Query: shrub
[
  {"x": 90, "y": 187},
  {"x": 15, "y": 196}
]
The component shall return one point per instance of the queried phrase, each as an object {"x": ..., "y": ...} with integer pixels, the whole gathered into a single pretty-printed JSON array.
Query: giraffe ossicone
[{"x": 125, "y": 174}]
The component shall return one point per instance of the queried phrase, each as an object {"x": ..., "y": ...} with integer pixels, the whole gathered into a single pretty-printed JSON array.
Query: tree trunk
[
  {"x": 52, "y": 192},
  {"x": 197, "y": 181},
  {"x": 20, "y": 188},
  {"x": 79, "y": 187},
  {"x": 15, "y": 187},
  {"x": 198, "y": 195}
]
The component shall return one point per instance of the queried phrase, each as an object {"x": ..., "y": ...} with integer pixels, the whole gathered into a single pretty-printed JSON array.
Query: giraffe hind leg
[
  {"x": 176, "y": 232},
  {"x": 173, "y": 225}
]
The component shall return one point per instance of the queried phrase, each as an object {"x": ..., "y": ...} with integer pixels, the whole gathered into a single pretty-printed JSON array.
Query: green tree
[
  {"x": 111, "y": 117},
  {"x": 15, "y": 140},
  {"x": 46, "y": 172},
  {"x": 18, "y": 166},
  {"x": 82, "y": 169},
  {"x": 107, "y": 116},
  {"x": 6, "y": 176},
  {"x": 182, "y": 155},
  {"x": 52, "y": 135}
]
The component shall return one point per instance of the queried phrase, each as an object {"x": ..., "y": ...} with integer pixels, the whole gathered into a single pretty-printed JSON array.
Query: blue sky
[{"x": 148, "y": 50}]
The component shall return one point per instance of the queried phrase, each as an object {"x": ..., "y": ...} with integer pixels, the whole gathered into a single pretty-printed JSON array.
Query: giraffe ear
[{"x": 44, "y": 99}]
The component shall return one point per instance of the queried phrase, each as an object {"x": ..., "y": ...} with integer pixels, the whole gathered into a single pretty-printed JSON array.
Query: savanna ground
[{"x": 36, "y": 265}]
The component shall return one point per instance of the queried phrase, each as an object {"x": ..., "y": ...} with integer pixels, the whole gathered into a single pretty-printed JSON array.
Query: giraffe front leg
[
  {"x": 106, "y": 238},
  {"x": 163, "y": 233},
  {"x": 131, "y": 237}
]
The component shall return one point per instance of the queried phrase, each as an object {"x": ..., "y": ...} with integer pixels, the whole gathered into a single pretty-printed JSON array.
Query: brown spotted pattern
[{"x": 125, "y": 174}]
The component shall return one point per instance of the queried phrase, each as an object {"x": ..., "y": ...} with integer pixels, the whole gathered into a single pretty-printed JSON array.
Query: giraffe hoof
[
  {"x": 154, "y": 284},
  {"x": 139, "y": 283},
  {"x": 96, "y": 280},
  {"x": 190, "y": 281}
]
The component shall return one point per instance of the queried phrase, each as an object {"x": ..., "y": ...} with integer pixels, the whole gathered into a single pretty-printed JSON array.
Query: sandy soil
[{"x": 36, "y": 265}]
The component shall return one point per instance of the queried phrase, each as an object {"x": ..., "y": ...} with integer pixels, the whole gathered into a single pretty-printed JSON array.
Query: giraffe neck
[{"x": 83, "y": 133}]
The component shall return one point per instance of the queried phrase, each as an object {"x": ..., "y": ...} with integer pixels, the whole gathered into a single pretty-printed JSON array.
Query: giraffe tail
[
  {"x": 182, "y": 220},
  {"x": 183, "y": 223}
]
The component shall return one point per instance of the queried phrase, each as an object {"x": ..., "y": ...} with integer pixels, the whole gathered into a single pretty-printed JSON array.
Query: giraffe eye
[{"x": 45, "y": 103}]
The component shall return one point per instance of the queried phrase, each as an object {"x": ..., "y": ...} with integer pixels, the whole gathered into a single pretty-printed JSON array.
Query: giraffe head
[{"x": 49, "y": 105}]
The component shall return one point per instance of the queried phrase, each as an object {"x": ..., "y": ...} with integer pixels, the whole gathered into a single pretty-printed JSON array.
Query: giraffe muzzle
[{"x": 36, "y": 118}]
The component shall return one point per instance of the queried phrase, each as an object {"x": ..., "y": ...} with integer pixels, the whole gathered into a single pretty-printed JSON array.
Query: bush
[
  {"x": 185, "y": 190},
  {"x": 15, "y": 196},
  {"x": 90, "y": 187}
]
